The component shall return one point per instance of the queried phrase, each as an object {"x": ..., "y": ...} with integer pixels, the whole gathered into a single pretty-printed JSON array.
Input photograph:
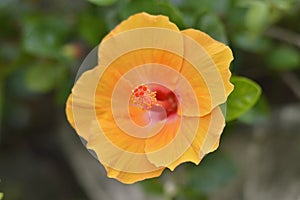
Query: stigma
[{"x": 143, "y": 97}]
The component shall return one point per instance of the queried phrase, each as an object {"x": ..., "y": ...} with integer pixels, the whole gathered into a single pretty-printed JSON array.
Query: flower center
[
  {"x": 143, "y": 97},
  {"x": 149, "y": 96}
]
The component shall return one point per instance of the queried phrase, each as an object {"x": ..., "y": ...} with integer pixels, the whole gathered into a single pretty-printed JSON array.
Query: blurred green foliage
[
  {"x": 43, "y": 43},
  {"x": 291, "y": 58},
  {"x": 195, "y": 183},
  {"x": 153, "y": 7},
  {"x": 215, "y": 171},
  {"x": 243, "y": 97},
  {"x": 257, "y": 114},
  {"x": 1, "y": 195},
  {"x": 44, "y": 35},
  {"x": 102, "y": 2}
]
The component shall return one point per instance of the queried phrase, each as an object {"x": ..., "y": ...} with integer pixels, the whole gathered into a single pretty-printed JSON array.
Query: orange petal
[
  {"x": 80, "y": 105},
  {"x": 199, "y": 89},
  {"x": 164, "y": 137},
  {"x": 124, "y": 177},
  {"x": 182, "y": 140},
  {"x": 86, "y": 111},
  {"x": 143, "y": 66},
  {"x": 209, "y": 131},
  {"x": 188, "y": 96},
  {"x": 141, "y": 46},
  {"x": 139, "y": 32},
  {"x": 211, "y": 141},
  {"x": 129, "y": 178},
  {"x": 120, "y": 159},
  {"x": 203, "y": 75},
  {"x": 139, "y": 116},
  {"x": 142, "y": 20},
  {"x": 220, "y": 54},
  {"x": 69, "y": 111}
]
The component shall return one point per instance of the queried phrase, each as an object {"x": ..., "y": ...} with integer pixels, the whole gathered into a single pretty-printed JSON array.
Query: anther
[{"x": 143, "y": 97}]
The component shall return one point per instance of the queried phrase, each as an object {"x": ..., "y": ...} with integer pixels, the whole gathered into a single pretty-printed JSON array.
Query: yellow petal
[
  {"x": 81, "y": 106},
  {"x": 129, "y": 178},
  {"x": 141, "y": 46},
  {"x": 164, "y": 137},
  {"x": 199, "y": 68},
  {"x": 220, "y": 54},
  {"x": 69, "y": 111},
  {"x": 120, "y": 159},
  {"x": 139, "y": 32},
  {"x": 143, "y": 66},
  {"x": 124, "y": 177},
  {"x": 139, "y": 116},
  {"x": 211, "y": 141},
  {"x": 206, "y": 140},
  {"x": 182, "y": 140},
  {"x": 142, "y": 20},
  {"x": 199, "y": 87}
]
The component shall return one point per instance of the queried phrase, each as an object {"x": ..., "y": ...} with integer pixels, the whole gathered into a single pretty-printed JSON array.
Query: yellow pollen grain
[{"x": 143, "y": 97}]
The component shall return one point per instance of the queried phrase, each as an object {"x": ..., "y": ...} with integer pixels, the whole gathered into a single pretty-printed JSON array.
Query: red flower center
[{"x": 148, "y": 96}]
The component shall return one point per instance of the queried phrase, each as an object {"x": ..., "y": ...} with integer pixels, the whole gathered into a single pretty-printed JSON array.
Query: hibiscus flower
[{"x": 153, "y": 100}]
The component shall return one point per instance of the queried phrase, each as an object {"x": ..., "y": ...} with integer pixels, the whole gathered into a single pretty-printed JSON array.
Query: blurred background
[{"x": 43, "y": 43}]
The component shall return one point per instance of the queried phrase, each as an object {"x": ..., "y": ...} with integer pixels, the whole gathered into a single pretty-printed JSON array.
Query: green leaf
[
  {"x": 1, "y": 195},
  {"x": 153, "y": 7},
  {"x": 215, "y": 170},
  {"x": 43, "y": 77},
  {"x": 258, "y": 114},
  {"x": 245, "y": 94},
  {"x": 284, "y": 58},
  {"x": 102, "y": 2},
  {"x": 44, "y": 35}
]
